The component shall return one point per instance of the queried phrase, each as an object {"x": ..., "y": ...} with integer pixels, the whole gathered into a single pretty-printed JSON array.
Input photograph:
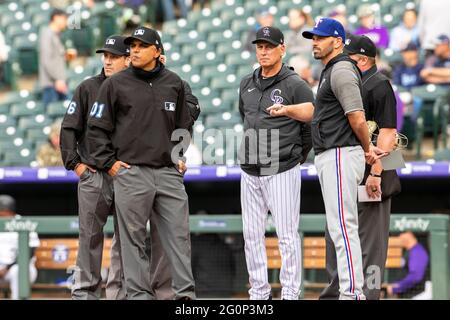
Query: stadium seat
[
  {"x": 57, "y": 109},
  {"x": 27, "y": 53},
  {"x": 214, "y": 105},
  {"x": 36, "y": 134},
  {"x": 29, "y": 108},
  {"x": 7, "y": 121},
  {"x": 207, "y": 59},
  {"x": 223, "y": 120},
  {"x": 214, "y": 25},
  {"x": 228, "y": 81},
  {"x": 39, "y": 121},
  {"x": 22, "y": 158}
]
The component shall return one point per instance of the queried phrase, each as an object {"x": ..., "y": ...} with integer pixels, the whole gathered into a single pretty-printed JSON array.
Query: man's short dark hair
[{"x": 57, "y": 12}]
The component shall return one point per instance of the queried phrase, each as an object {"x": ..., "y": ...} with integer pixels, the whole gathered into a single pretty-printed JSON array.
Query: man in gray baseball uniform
[
  {"x": 272, "y": 182},
  {"x": 373, "y": 217},
  {"x": 341, "y": 142}
]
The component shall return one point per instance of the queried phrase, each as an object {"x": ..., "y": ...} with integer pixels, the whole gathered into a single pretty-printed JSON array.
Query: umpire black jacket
[
  {"x": 134, "y": 116},
  {"x": 380, "y": 106},
  {"x": 74, "y": 148},
  {"x": 295, "y": 137}
]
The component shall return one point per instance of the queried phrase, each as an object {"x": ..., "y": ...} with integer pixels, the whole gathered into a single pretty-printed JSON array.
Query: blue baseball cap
[{"x": 326, "y": 27}]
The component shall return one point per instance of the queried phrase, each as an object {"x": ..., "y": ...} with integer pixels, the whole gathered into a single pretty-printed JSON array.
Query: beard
[{"x": 323, "y": 53}]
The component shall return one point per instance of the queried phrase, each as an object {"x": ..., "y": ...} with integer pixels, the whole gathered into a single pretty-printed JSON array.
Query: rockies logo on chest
[{"x": 275, "y": 96}]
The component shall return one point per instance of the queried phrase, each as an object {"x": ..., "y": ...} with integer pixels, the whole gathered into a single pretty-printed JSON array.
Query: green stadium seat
[
  {"x": 240, "y": 26},
  {"x": 11, "y": 132},
  {"x": 39, "y": 121},
  {"x": 228, "y": 81},
  {"x": 220, "y": 6},
  {"x": 214, "y": 105},
  {"x": 19, "y": 29},
  {"x": 214, "y": 25},
  {"x": 57, "y": 109},
  {"x": 40, "y": 18},
  {"x": 219, "y": 70},
  {"x": 22, "y": 158},
  {"x": 198, "y": 48},
  {"x": 222, "y": 120},
  {"x": 29, "y": 108},
  {"x": 189, "y": 37},
  {"x": 7, "y": 121},
  {"x": 17, "y": 96},
  {"x": 224, "y": 36},
  {"x": 226, "y": 48},
  {"x": 442, "y": 155},
  {"x": 198, "y": 82},
  {"x": 242, "y": 71},
  {"x": 240, "y": 59},
  {"x": 36, "y": 134},
  {"x": 27, "y": 53},
  {"x": 207, "y": 59}
]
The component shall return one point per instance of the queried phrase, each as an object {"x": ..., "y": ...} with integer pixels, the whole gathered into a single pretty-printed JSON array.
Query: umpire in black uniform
[
  {"x": 130, "y": 135},
  {"x": 374, "y": 217},
  {"x": 95, "y": 193}
]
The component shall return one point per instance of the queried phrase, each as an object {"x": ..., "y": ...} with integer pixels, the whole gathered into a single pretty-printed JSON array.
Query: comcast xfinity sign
[
  {"x": 20, "y": 225},
  {"x": 411, "y": 224}
]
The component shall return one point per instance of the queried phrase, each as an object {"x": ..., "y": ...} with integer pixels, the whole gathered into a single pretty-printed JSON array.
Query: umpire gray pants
[
  {"x": 139, "y": 191},
  {"x": 160, "y": 276},
  {"x": 95, "y": 199},
  {"x": 374, "y": 219}
]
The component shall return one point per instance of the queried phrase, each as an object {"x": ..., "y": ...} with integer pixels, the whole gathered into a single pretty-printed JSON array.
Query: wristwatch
[{"x": 375, "y": 175}]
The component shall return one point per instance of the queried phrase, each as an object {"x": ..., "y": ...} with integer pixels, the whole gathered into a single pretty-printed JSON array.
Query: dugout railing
[{"x": 436, "y": 225}]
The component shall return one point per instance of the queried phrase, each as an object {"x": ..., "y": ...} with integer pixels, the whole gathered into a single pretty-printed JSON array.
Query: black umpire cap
[
  {"x": 269, "y": 34},
  {"x": 115, "y": 45},
  {"x": 355, "y": 44},
  {"x": 145, "y": 35}
]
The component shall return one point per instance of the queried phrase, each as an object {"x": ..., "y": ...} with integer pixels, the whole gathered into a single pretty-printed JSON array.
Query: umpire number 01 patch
[{"x": 169, "y": 106}]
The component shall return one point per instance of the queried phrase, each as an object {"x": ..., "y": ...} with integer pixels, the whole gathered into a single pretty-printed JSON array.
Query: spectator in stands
[
  {"x": 264, "y": 19},
  {"x": 383, "y": 65},
  {"x": 302, "y": 66},
  {"x": 339, "y": 13},
  {"x": 377, "y": 33},
  {"x": 406, "y": 32},
  {"x": 437, "y": 66},
  {"x": 433, "y": 21},
  {"x": 52, "y": 59},
  {"x": 4, "y": 50},
  {"x": 169, "y": 11},
  {"x": 299, "y": 21},
  {"x": 408, "y": 73},
  {"x": 49, "y": 154},
  {"x": 9, "y": 269},
  {"x": 415, "y": 280}
]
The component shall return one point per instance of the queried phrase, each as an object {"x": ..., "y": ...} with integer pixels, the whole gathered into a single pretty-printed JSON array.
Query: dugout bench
[{"x": 436, "y": 225}]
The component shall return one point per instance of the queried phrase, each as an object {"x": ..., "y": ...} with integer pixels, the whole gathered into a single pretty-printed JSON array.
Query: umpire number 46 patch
[{"x": 169, "y": 106}]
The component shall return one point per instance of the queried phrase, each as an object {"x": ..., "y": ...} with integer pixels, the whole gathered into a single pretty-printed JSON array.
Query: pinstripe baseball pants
[
  {"x": 280, "y": 194},
  {"x": 340, "y": 172}
]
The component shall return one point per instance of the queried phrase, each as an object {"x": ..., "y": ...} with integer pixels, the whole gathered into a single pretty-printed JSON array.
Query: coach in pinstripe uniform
[{"x": 272, "y": 182}]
